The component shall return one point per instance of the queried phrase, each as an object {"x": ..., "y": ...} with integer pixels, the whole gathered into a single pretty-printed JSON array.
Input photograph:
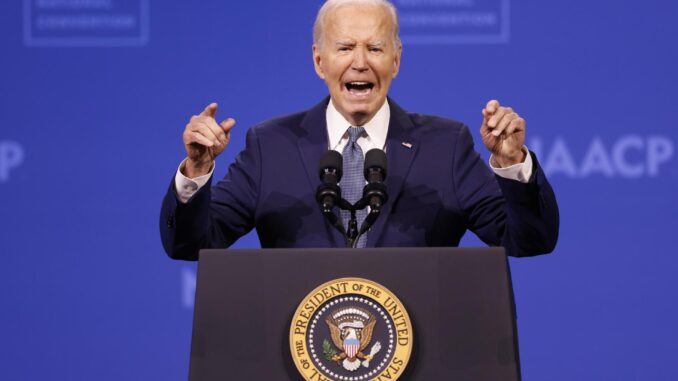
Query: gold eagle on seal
[{"x": 351, "y": 331}]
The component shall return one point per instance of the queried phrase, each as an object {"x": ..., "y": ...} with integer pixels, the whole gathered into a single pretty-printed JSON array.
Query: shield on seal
[{"x": 351, "y": 347}]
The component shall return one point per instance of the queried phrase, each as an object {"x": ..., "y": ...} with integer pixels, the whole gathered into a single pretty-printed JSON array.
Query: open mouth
[{"x": 359, "y": 88}]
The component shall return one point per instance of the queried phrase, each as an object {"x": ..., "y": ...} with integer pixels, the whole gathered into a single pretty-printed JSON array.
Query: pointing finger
[
  {"x": 492, "y": 106},
  {"x": 210, "y": 110}
]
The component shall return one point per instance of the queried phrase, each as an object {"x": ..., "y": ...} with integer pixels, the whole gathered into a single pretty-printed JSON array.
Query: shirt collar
[{"x": 376, "y": 129}]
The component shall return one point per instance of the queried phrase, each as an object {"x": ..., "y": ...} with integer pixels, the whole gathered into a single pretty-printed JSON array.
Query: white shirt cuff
[
  {"x": 186, "y": 187},
  {"x": 519, "y": 172}
]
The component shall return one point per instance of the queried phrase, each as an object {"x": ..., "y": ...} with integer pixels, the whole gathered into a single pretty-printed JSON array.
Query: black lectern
[{"x": 459, "y": 301}]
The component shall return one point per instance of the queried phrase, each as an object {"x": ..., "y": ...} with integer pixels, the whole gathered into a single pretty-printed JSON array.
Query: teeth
[{"x": 359, "y": 87}]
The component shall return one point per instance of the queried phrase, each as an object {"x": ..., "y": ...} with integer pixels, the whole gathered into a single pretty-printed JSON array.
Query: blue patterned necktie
[{"x": 353, "y": 180}]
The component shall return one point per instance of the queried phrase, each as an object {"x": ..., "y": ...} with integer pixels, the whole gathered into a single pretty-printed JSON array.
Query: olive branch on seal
[{"x": 328, "y": 351}]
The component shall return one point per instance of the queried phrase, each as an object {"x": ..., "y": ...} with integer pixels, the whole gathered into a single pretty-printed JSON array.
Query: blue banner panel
[
  {"x": 454, "y": 21},
  {"x": 95, "y": 94},
  {"x": 61, "y": 23}
]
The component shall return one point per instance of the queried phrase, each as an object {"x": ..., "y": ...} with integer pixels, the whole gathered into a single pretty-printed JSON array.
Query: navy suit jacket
[{"x": 438, "y": 189}]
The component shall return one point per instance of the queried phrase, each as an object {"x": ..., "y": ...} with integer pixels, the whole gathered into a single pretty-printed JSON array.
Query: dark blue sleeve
[
  {"x": 214, "y": 217},
  {"x": 522, "y": 217}
]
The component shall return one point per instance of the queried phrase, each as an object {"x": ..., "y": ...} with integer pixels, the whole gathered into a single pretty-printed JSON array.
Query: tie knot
[{"x": 354, "y": 133}]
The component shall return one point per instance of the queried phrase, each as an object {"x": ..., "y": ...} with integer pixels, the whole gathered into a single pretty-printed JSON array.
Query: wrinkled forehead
[{"x": 359, "y": 23}]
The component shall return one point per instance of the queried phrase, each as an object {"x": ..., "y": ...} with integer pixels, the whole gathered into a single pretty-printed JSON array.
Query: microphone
[
  {"x": 374, "y": 193},
  {"x": 375, "y": 174},
  {"x": 330, "y": 170}
]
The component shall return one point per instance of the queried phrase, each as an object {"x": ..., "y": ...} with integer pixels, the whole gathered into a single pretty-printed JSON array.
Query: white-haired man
[{"x": 438, "y": 187}]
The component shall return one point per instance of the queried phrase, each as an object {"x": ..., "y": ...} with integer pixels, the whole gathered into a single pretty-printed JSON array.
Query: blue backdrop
[{"x": 94, "y": 96}]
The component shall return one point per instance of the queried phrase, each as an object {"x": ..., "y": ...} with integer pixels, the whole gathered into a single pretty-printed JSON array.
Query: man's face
[{"x": 357, "y": 58}]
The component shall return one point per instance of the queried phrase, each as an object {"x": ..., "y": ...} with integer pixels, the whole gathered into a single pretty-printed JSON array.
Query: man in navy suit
[{"x": 438, "y": 186}]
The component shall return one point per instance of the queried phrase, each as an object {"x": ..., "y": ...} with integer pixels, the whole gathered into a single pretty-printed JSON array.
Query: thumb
[
  {"x": 486, "y": 114},
  {"x": 227, "y": 124},
  {"x": 486, "y": 117},
  {"x": 210, "y": 110}
]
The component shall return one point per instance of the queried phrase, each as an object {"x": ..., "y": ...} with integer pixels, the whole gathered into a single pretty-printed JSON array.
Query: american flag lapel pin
[{"x": 407, "y": 144}]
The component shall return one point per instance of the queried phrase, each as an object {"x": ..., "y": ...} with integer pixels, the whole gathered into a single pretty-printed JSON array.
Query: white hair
[{"x": 331, "y": 5}]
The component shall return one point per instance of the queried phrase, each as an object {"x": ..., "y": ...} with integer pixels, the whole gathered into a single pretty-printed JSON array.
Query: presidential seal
[{"x": 351, "y": 329}]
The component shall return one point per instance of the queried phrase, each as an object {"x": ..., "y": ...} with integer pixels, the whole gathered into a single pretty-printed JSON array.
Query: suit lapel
[
  {"x": 312, "y": 143},
  {"x": 401, "y": 148}
]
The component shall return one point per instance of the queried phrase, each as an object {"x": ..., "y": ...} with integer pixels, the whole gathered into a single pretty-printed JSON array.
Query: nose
[{"x": 359, "y": 60}]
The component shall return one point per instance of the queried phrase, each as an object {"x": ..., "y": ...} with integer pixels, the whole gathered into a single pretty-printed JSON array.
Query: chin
[
  {"x": 358, "y": 110},
  {"x": 362, "y": 108},
  {"x": 358, "y": 115}
]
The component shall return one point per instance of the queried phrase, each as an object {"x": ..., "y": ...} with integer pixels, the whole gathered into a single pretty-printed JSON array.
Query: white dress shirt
[
  {"x": 375, "y": 130},
  {"x": 337, "y": 136}
]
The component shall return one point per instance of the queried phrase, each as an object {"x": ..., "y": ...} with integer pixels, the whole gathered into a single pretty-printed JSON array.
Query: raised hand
[
  {"x": 204, "y": 140},
  {"x": 503, "y": 133}
]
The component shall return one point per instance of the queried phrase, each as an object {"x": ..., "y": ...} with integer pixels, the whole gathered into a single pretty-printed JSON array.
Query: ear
[
  {"x": 396, "y": 59},
  {"x": 317, "y": 62}
]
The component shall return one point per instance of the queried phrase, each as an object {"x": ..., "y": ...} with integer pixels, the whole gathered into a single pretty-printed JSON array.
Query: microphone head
[
  {"x": 375, "y": 158},
  {"x": 331, "y": 160}
]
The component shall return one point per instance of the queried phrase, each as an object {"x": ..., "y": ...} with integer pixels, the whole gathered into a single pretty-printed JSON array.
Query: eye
[
  {"x": 376, "y": 50},
  {"x": 344, "y": 49}
]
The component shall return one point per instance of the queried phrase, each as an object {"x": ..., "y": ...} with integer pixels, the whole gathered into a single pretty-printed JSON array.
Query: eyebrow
[{"x": 353, "y": 43}]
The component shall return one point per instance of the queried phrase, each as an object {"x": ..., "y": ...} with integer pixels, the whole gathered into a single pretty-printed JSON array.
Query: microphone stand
[{"x": 352, "y": 234}]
